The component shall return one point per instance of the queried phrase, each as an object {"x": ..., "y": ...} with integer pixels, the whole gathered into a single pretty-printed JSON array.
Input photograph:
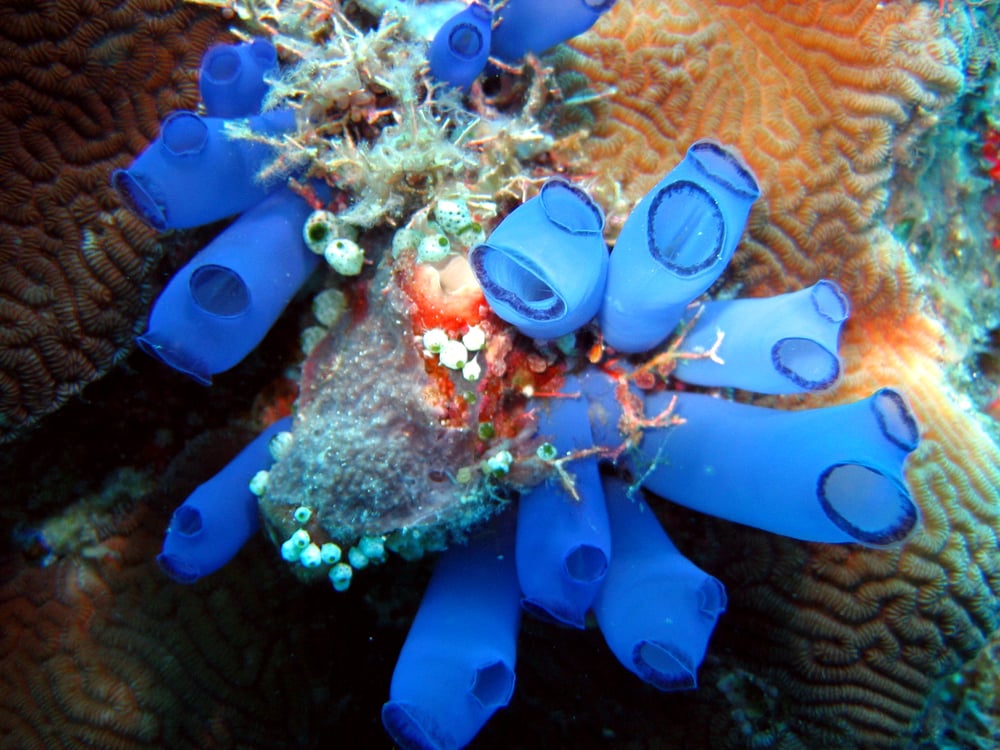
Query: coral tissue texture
[
  {"x": 824, "y": 100},
  {"x": 83, "y": 87},
  {"x": 103, "y": 651}
]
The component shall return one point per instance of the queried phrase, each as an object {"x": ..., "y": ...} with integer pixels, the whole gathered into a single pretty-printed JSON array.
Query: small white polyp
[{"x": 340, "y": 576}]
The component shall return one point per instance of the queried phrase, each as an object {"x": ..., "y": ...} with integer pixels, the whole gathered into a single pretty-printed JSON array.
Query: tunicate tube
[
  {"x": 782, "y": 344},
  {"x": 823, "y": 475},
  {"x": 217, "y": 308},
  {"x": 674, "y": 244},
  {"x": 232, "y": 77},
  {"x": 656, "y": 609},
  {"x": 531, "y": 26},
  {"x": 543, "y": 268},
  {"x": 217, "y": 519},
  {"x": 194, "y": 173},
  {"x": 457, "y": 664},
  {"x": 563, "y": 542},
  {"x": 461, "y": 47}
]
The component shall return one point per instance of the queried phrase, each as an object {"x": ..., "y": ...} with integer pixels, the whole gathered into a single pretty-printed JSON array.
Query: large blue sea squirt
[
  {"x": 461, "y": 47},
  {"x": 232, "y": 79},
  {"x": 781, "y": 344},
  {"x": 194, "y": 173},
  {"x": 674, "y": 244},
  {"x": 217, "y": 308},
  {"x": 457, "y": 664},
  {"x": 212, "y": 525},
  {"x": 544, "y": 267},
  {"x": 532, "y": 26},
  {"x": 563, "y": 539}
]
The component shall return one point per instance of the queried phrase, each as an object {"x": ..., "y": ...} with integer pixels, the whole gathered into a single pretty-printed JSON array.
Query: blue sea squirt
[{"x": 501, "y": 398}]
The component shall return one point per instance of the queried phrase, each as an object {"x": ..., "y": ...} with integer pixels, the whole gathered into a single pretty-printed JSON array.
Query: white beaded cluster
[
  {"x": 326, "y": 235},
  {"x": 456, "y": 354},
  {"x": 301, "y": 549},
  {"x": 453, "y": 227}
]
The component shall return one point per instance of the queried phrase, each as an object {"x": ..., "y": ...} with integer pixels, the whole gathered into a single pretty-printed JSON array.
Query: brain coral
[
  {"x": 83, "y": 87},
  {"x": 824, "y": 100},
  {"x": 100, "y": 650},
  {"x": 823, "y": 646}
]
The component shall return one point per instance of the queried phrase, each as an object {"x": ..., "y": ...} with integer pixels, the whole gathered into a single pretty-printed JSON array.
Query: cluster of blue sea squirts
[{"x": 583, "y": 540}]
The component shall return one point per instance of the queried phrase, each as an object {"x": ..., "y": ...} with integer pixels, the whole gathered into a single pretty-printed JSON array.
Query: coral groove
[{"x": 83, "y": 87}]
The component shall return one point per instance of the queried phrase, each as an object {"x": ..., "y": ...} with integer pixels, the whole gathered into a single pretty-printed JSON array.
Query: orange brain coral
[
  {"x": 817, "y": 96},
  {"x": 83, "y": 87},
  {"x": 824, "y": 100}
]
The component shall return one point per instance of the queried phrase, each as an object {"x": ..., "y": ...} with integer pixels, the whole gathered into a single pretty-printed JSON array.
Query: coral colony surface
[{"x": 617, "y": 324}]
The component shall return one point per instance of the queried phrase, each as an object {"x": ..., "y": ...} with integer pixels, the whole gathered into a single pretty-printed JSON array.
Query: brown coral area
[
  {"x": 824, "y": 100},
  {"x": 83, "y": 87},
  {"x": 101, "y": 650}
]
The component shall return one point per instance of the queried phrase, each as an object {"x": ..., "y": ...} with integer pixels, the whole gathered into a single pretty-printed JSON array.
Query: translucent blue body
[
  {"x": 782, "y": 344},
  {"x": 674, "y": 244},
  {"x": 823, "y": 475},
  {"x": 563, "y": 542},
  {"x": 544, "y": 267},
  {"x": 217, "y": 308},
  {"x": 217, "y": 519},
  {"x": 656, "y": 609},
  {"x": 457, "y": 664},
  {"x": 461, "y": 46},
  {"x": 533, "y": 26},
  {"x": 194, "y": 174},
  {"x": 232, "y": 77}
]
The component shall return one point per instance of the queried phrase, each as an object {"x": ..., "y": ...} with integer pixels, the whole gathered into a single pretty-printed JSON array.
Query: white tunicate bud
[
  {"x": 340, "y": 576},
  {"x": 472, "y": 371},
  {"x": 405, "y": 239},
  {"x": 319, "y": 228},
  {"x": 373, "y": 547},
  {"x": 547, "y": 452},
  {"x": 258, "y": 483},
  {"x": 344, "y": 256},
  {"x": 310, "y": 336},
  {"x": 310, "y": 557},
  {"x": 474, "y": 339},
  {"x": 453, "y": 355},
  {"x": 434, "y": 339},
  {"x": 500, "y": 463},
  {"x": 452, "y": 215},
  {"x": 300, "y": 539},
  {"x": 302, "y": 514},
  {"x": 432, "y": 248},
  {"x": 471, "y": 235},
  {"x": 357, "y": 558},
  {"x": 328, "y": 306},
  {"x": 322, "y": 227},
  {"x": 280, "y": 444},
  {"x": 290, "y": 551},
  {"x": 330, "y": 553},
  {"x": 566, "y": 343}
]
